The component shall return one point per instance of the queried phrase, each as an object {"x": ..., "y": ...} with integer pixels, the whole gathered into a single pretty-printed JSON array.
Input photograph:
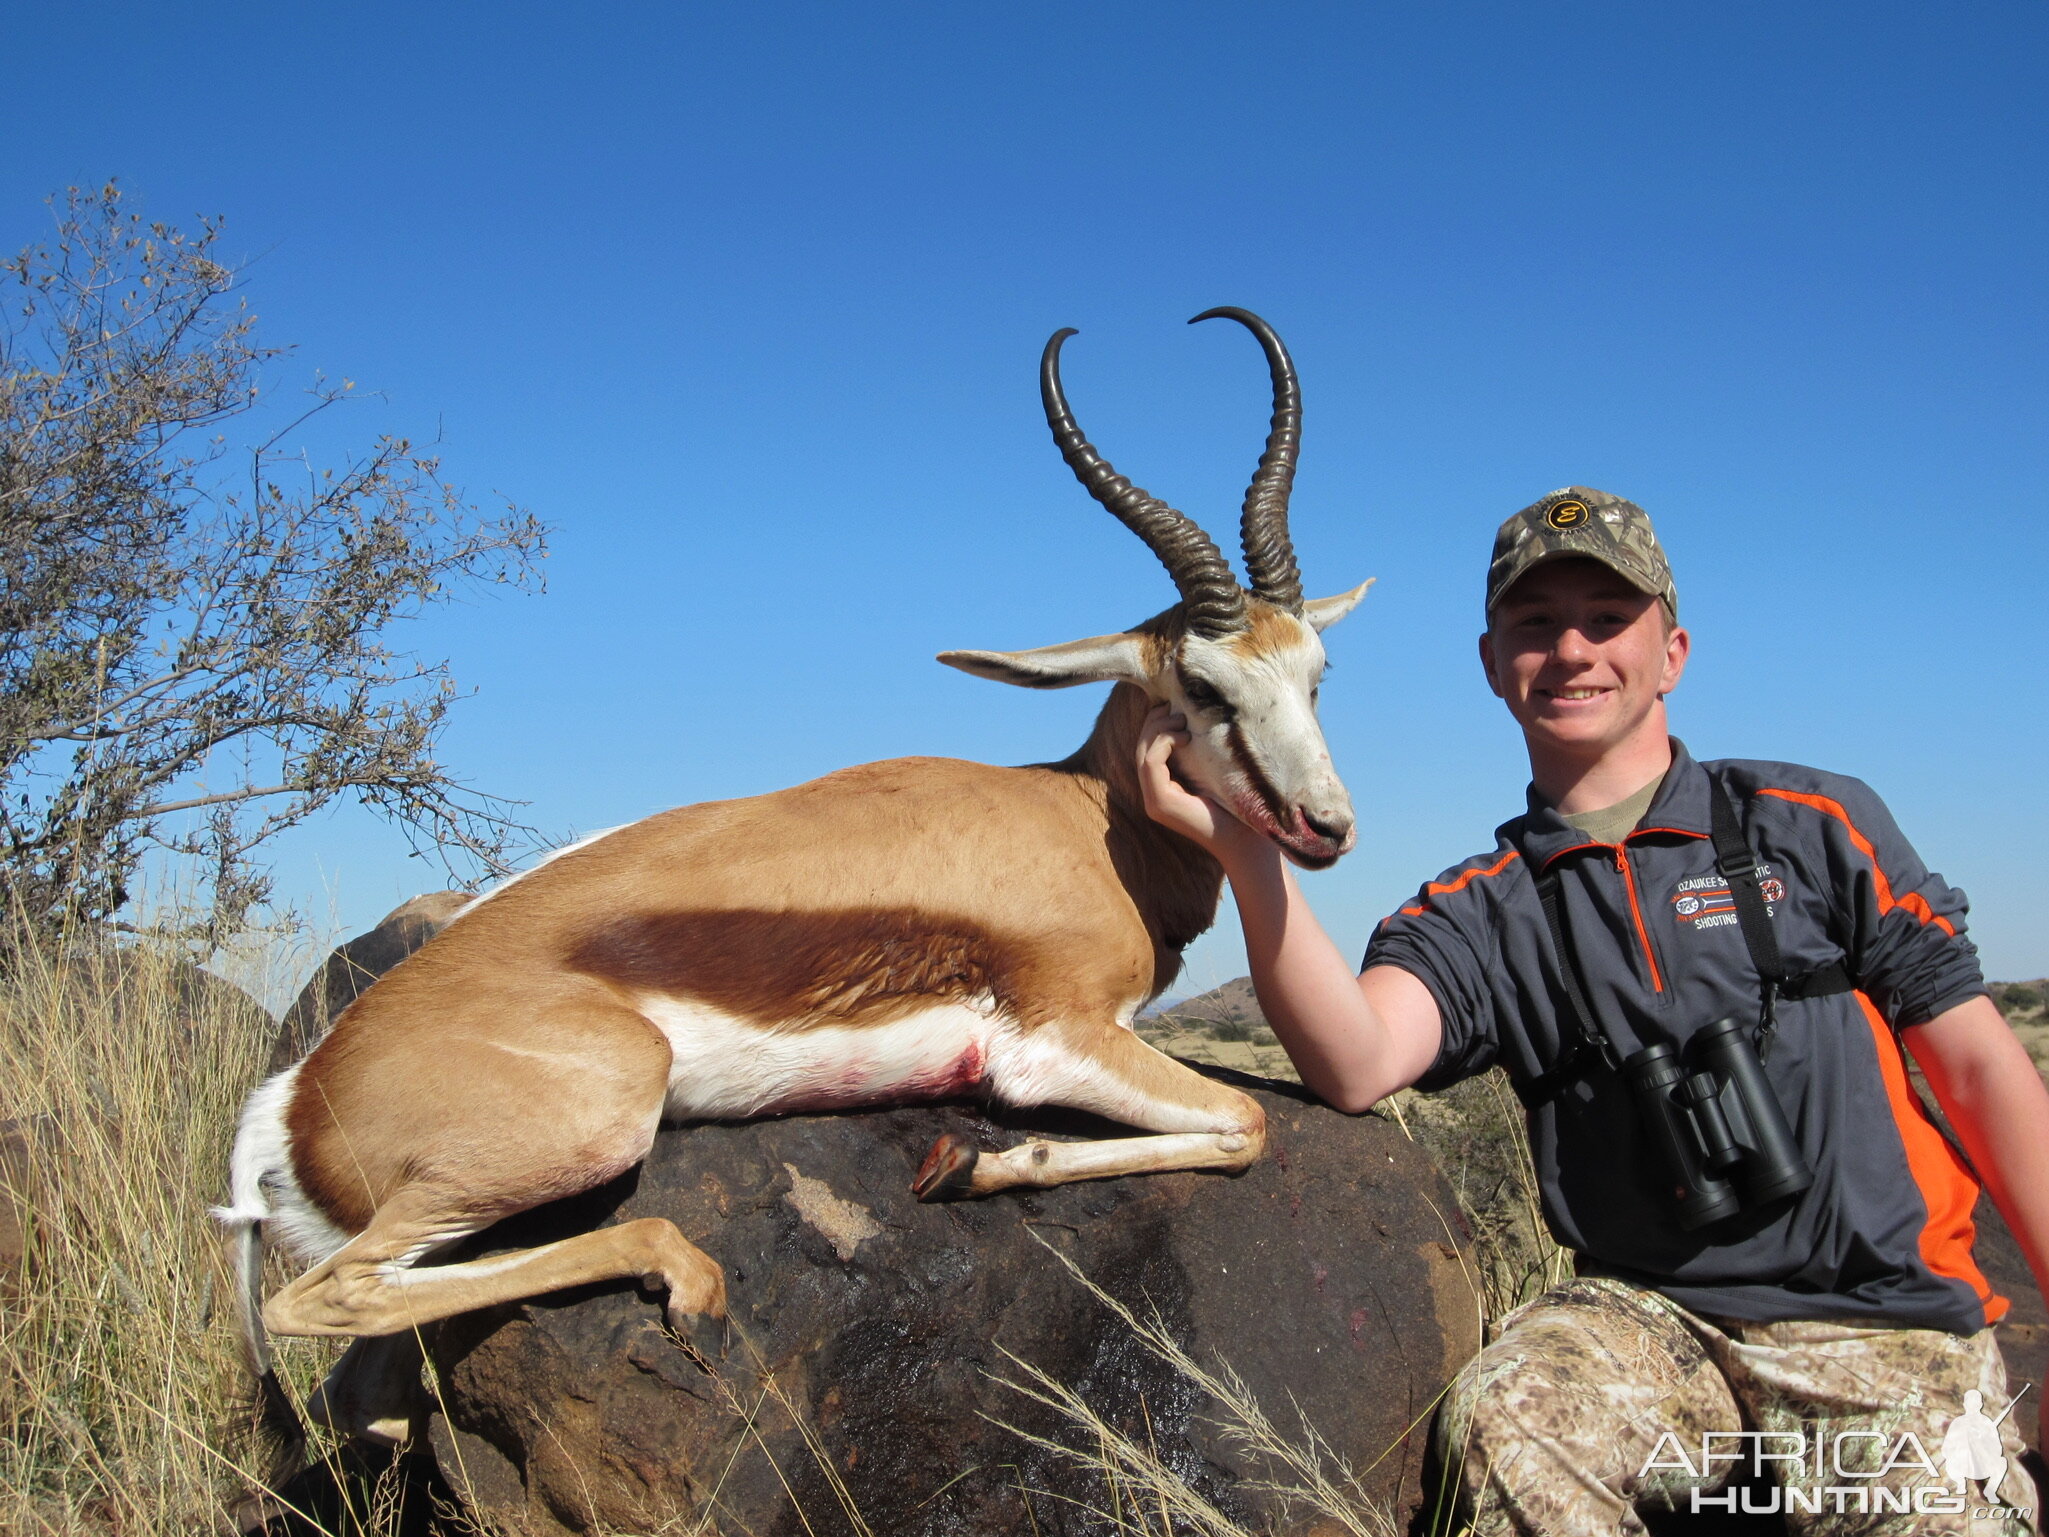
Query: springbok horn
[
  {"x": 1263, "y": 527},
  {"x": 1216, "y": 603}
]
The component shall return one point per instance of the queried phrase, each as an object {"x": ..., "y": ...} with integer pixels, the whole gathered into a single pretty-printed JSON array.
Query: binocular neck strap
[
  {"x": 1590, "y": 1037},
  {"x": 1737, "y": 861}
]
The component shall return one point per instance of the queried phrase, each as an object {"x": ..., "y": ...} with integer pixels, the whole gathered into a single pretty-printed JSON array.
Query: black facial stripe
[{"x": 1241, "y": 755}]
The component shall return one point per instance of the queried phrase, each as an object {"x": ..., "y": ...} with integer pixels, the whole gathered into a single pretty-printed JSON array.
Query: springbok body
[{"x": 914, "y": 929}]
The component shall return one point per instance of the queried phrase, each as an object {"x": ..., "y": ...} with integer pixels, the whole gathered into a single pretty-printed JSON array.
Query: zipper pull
[{"x": 1621, "y": 860}]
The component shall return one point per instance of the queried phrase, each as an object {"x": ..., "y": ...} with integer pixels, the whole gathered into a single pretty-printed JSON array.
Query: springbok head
[{"x": 1241, "y": 664}]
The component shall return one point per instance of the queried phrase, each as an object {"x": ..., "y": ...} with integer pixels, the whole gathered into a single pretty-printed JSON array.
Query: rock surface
[{"x": 870, "y": 1331}]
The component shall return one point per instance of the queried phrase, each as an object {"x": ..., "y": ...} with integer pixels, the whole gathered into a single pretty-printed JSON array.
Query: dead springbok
[{"x": 908, "y": 930}]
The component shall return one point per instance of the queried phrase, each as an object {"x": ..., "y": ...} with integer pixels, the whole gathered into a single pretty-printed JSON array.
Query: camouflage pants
[{"x": 1599, "y": 1397}]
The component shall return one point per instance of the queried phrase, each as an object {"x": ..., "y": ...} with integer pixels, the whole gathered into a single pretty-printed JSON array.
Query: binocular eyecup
[{"x": 1717, "y": 1128}]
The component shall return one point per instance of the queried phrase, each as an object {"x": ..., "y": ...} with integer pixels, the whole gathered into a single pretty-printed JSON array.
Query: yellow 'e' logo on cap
[{"x": 1567, "y": 514}]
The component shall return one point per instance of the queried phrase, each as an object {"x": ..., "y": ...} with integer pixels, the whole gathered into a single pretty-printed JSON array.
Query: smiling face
[{"x": 1583, "y": 660}]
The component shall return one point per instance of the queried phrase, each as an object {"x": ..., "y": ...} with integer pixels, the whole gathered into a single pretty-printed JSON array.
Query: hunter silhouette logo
[
  {"x": 1971, "y": 1449},
  {"x": 1566, "y": 514}
]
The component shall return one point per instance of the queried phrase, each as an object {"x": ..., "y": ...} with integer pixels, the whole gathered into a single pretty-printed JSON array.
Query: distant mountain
[{"x": 1227, "y": 1013}]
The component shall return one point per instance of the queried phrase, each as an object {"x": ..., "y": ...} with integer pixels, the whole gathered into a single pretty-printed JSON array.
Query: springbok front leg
[{"x": 1109, "y": 1071}]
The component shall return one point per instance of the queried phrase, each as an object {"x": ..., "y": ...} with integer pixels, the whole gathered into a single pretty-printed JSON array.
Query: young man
[{"x": 1823, "y": 1287}]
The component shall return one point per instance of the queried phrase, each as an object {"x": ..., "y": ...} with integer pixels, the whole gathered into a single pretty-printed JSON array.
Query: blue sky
[{"x": 746, "y": 303}]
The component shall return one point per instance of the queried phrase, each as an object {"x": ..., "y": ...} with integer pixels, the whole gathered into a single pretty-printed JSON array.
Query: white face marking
[
  {"x": 1260, "y": 706},
  {"x": 1254, "y": 742}
]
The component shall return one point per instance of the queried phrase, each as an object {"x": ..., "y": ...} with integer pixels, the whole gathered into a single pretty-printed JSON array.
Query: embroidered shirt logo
[{"x": 1705, "y": 901}]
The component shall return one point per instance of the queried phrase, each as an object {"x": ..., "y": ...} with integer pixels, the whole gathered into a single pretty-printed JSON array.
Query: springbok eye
[{"x": 1201, "y": 695}]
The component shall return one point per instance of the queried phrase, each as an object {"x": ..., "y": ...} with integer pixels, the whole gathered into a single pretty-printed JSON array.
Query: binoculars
[{"x": 1718, "y": 1129}]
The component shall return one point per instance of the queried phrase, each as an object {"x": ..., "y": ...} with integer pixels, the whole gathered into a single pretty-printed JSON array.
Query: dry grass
[
  {"x": 1476, "y": 1133},
  {"x": 1145, "y": 1497},
  {"x": 121, "y": 1075}
]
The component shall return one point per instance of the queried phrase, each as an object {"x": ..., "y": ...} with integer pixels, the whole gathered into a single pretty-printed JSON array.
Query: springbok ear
[
  {"x": 1099, "y": 659},
  {"x": 1322, "y": 613}
]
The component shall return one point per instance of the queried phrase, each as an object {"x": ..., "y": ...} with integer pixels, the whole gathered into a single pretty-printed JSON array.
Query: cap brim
[{"x": 1545, "y": 557}]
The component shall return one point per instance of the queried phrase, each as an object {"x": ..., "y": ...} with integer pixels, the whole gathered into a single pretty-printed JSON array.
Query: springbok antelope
[{"x": 906, "y": 930}]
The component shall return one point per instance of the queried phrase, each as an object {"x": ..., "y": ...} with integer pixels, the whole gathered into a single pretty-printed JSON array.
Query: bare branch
[{"x": 193, "y": 655}]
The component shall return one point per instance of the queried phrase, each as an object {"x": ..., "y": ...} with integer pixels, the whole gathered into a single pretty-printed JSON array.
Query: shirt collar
[{"x": 1680, "y": 806}]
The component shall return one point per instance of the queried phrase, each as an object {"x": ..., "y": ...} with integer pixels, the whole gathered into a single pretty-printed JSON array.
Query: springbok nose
[{"x": 1336, "y": 829}]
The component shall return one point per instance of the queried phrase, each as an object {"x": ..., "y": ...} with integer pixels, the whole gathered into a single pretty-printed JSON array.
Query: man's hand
[{"x": 1176, "y": 807}]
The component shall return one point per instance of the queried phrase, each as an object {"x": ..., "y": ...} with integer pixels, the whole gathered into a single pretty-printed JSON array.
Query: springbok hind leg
[
  {"x": 370, "y": 1285},
  {"x": 1107, "y": 1070},
  {"x": 370, "y": 1288}
]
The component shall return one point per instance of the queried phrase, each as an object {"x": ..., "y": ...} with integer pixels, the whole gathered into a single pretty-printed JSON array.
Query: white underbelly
[{"x": 724, "y": 1067}]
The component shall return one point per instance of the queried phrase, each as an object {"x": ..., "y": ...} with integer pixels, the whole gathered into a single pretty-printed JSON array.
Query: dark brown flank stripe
[{"x": 803, "y": 968}]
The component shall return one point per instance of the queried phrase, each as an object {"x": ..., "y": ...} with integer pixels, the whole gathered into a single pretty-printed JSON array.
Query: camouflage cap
[{"x": 1581, "y": 521}]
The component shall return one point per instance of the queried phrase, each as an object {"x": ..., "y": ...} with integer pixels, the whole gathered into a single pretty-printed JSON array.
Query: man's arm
[
  {"x": 1995, "y": 1100},
  {"x": 1354, "y": 1040}
]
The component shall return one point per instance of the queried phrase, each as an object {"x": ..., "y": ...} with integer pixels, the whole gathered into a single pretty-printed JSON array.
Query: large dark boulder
[{"x": 870, "y": 1331}]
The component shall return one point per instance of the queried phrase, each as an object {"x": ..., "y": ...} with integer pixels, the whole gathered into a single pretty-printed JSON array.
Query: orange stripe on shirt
[
  {"x": 1947, "y": 1188},
  {"x": 1913, "y": 901},
  {"x": 1445, "y": 888}
]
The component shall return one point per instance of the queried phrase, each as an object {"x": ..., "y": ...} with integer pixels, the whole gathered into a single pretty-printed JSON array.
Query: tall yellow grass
[{"x": 120, "y": 1078}]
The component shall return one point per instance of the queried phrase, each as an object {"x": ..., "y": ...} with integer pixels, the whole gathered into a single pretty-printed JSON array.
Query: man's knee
[{"x": 1546, "y": 1426}]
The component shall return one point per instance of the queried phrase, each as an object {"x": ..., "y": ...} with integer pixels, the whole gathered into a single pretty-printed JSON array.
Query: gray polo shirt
[{"x": 1885, "y": 1231}]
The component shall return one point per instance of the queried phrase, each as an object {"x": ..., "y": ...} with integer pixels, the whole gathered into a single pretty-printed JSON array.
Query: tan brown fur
[
  {"x": 512, "y": 1060},
  {"x": 1045, "y": 887},
  {"x": 907, "y": 929},
  {"x": 1267, "y": 630}
]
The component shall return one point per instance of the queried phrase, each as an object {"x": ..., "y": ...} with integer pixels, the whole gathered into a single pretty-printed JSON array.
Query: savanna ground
[{"x": 121, "y": 1073}]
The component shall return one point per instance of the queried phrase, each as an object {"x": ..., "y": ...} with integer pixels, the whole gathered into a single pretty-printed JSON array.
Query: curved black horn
[
  {"x": 1216, "y": 603},
  {"x": 1263, "y": 527}
]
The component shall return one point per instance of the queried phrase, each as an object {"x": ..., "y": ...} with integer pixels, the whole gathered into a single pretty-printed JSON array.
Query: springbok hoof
[
  {"x": 373, "y": 1393},
  {"x": 392, "y": 1426},
  {"x": 948, "y": 1171}
]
